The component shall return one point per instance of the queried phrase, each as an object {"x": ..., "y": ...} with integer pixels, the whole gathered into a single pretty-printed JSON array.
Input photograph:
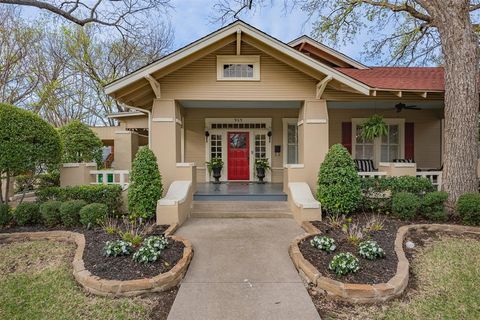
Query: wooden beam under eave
[
  {"x": 373, "y": 93},
  {"x": 321, "y": 86},
  {"x": 155, "y": 86},
  {"x": 424, "y": 94},
  {"x": 398, "y": 93},
  {"x": 239, "y": 42}
]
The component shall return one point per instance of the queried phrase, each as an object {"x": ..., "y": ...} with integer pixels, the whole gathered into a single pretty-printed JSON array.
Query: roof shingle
[{"x": 399, "y": 78}]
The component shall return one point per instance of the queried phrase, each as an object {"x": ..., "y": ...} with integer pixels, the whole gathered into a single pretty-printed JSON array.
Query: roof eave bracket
[
  {"x": 155, "y": 85},
  {"x": 321, "y": 86}
]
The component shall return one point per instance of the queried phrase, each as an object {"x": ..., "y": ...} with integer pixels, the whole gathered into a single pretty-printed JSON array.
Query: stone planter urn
[
  {"x": 217, "y": 173},
  {"x": 261, "y": 175}
]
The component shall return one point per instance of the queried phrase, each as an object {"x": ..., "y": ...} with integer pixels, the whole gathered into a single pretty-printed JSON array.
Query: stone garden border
[
  {"x": 112, "y": 288},
  {"x": 366, "y": 293}
]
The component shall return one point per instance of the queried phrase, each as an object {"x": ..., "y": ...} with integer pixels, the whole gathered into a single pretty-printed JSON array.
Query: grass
[
  {"x": 447, "y": 275},
  {"x": 36, "y": 282}
]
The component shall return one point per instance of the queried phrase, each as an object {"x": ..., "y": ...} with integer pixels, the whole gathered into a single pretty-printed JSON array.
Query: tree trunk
[
  {"x": 459, "y": 44},
  {"x": 1, "y": 188},
  {"x": 7, "y": 186}
]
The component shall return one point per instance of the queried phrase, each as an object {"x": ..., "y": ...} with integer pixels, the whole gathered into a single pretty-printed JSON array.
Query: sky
[
  {"x": 193, "y": 19},
  {"x": 273, "y": 20}
]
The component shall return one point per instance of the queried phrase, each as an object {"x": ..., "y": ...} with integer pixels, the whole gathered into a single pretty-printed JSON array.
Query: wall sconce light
[
  {"x": 269, "y": 134},
  {"x": 207, "y": 134}
]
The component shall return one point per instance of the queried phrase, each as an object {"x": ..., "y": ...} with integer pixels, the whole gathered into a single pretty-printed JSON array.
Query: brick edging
[
  {"x": 112, "y": 288},
  {"x": 366, "y": 293}
]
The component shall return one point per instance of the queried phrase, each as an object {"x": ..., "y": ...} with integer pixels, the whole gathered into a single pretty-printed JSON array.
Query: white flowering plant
[
  {"x": 117, "y": 248},
  {"x": 370, "y": 250},
  {"x": 156, "y": 242},
  {"x": 151, "y": 249},
  {"x": 344, "y": 263},
  {"x": 323, "y": 243}
]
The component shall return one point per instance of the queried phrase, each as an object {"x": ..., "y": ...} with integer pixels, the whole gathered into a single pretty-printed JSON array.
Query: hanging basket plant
[{"x": 374, "y": 127}]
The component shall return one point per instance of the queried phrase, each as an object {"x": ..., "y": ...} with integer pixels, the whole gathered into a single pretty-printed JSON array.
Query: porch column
[
  {"x": 313, "y": 138},
  {"x": 166, "y": 138},
  {"x": 125, "y": 145}
]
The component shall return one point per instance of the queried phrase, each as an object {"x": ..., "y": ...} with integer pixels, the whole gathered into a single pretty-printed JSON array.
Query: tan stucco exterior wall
[
  {"x": 427, "y": 127},
  {"x": 125, "y": 142},
  {"x": 195, "y": 144}
]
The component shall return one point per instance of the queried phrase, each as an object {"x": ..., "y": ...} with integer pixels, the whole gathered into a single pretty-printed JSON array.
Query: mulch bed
[
  {"x": 371, "y": 272},
  {"x": 123, "y": 267},
  {"x": 116, "y": 268},
  {"x": 335, "y": 309}
]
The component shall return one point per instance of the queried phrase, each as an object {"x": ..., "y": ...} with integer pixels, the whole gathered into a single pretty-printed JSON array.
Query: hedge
[{"x": 110, "y": 195}]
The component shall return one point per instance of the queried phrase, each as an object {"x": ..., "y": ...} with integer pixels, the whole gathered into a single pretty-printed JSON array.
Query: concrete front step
[{"x": 241, "y": 209}]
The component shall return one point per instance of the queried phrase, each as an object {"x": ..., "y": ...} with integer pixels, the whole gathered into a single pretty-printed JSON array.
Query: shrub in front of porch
[
  {"x": 468, "y": 206},
  {"x": 338, "y": 188},
  {"x": 110, "y": 195},
  {"x": 145, "y": 185}
]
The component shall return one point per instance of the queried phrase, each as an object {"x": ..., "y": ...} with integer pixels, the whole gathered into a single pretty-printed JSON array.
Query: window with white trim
[
  {"x": 238, "y": 68},
  {"x": 290, "y": 141},
  {"x": 382, "y": 149},
  {"x": 260, "y": 146},
  {"x": 215, "y": 146}
]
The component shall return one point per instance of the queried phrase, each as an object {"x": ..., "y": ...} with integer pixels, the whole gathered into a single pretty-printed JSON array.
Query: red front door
[{"x": 238, "y": 159}]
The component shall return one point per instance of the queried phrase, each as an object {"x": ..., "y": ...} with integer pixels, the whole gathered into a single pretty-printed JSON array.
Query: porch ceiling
[
  {"x": 224, "y": 104},
  {"x": 384, "y": 104}
]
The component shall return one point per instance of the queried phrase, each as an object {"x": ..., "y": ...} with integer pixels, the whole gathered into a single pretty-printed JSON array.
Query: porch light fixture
[
  {"x": 207, "y": 134},
  {"x": 269, "y": 134}
]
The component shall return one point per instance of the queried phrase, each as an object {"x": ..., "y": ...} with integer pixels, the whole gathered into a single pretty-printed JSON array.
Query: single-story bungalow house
[{"x": 239, "y": 94}]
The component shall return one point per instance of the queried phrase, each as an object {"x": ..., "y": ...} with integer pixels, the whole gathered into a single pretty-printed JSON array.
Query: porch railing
[
  {"x": 119, "y": 177},
  {"x": 372, "y": 174},
  {"x": 434, "y": 176}
]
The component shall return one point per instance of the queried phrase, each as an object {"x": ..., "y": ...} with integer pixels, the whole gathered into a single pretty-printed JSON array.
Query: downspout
[{"x": 149, "y": 113}]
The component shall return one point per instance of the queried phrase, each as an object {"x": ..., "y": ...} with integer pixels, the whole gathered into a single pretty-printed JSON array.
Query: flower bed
[
  {"x": 376, "y": 291},
  {"x": 114, "y": 283}
]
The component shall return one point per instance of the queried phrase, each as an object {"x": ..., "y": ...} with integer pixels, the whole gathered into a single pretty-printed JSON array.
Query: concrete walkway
[{"x": 241, "y": 270}]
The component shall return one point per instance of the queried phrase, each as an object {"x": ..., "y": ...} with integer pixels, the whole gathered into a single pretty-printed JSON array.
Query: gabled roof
[
  {"x": 305, "y": 43},
  {"x": 400, "y": 78},
  {"x": 237, "y": 26}
]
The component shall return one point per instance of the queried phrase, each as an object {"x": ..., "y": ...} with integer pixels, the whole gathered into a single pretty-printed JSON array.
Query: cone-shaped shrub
[
  {"x": 338, "y": 182},
  {"x": 145, "y": 185}
]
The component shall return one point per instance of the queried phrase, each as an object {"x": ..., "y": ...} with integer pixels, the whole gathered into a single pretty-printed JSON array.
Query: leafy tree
[
  {"x": 145, "y": 185},
  {"x": 423, "y": 31},
  {"x": 338, "y": 182},
  {"x": 28, "y": 144},
  {"x": 80, "y": 143}
]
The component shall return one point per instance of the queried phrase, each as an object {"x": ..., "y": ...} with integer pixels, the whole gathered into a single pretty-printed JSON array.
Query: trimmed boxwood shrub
[
  {"x": 50, "y": 212},
  {"x": 27, "y": 213},
  {"x": 145, "y": 185},
  {"x": 110, "y": 195},
  {"x": 405, "y": 205},
  {"x": 432, "y": 206},
  {"x": 70, "y": 212},
  {"x": 93, "y": 214},
  {"x": 468, "y": 206},
  {"x": 338, "y": 182},
  {"x": 372, "y": 188},
  {"x": 5, "y": 214}
]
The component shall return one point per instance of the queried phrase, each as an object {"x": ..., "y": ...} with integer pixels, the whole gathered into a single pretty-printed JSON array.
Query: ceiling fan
[{"x": 401, "y": 106}]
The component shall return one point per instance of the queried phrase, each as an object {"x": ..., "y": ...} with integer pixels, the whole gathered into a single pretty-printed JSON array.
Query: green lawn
[
  {"x": 447, "y": 274},
  {"x": 36, "y": 282}
]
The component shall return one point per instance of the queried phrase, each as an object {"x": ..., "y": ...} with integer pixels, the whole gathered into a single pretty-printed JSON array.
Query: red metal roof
[{"x": 399, "y": 78}]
